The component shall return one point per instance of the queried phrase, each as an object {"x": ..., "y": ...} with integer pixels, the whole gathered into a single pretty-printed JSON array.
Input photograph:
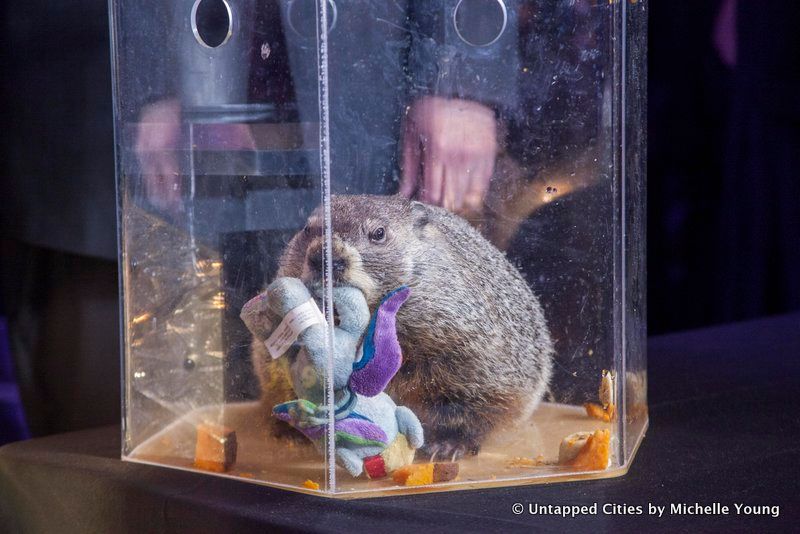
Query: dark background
[{"x": 723, "y": 191}]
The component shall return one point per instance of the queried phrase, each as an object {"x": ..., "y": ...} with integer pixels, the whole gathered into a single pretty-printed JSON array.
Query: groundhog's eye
[
  {"x": 378, "y": 235},
  {"x": 306, "y": 230}
]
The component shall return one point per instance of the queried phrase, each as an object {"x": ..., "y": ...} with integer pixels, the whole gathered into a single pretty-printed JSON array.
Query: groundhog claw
[{"x": 449, "y": 449}]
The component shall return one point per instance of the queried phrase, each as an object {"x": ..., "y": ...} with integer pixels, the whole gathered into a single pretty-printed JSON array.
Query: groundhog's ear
[{"x": 420, "y": 214}]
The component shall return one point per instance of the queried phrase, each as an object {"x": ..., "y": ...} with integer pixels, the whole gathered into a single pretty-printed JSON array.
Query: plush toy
[{"x": 372, "y": 433}]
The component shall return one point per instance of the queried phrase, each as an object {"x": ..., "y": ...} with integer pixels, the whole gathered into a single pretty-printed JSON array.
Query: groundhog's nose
[
  {"x": 315, "y": 263},
  {"x": 339, "y": 266}
]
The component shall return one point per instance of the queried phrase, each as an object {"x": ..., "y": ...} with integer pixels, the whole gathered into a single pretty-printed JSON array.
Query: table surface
[{"x": 724, "y": 428}]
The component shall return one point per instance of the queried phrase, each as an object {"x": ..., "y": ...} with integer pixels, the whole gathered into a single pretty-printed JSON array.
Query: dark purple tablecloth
[{"x": 725, "y": 427}]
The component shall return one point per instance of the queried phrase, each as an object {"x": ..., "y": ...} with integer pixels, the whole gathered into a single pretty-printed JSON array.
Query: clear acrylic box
[{"x": 382, "y": 247}]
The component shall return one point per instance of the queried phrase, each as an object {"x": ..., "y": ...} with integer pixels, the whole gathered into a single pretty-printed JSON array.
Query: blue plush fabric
[{"x": 366, "y": 419}]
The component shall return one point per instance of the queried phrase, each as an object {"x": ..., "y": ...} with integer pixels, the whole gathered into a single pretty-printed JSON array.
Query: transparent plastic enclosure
[{"x": 377, "y": 247}]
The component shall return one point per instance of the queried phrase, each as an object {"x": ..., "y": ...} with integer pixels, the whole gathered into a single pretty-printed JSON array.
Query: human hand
[
  {"x": 157, "y": 135},
  {"x": 449, "y": 150}
]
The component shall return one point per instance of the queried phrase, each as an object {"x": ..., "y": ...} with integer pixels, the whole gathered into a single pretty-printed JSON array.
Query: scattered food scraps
[
  {"x": 521, "y": 461},
  {"x": 422, "y": 474},
  {"x": 586, "y": 451},
  {"x": 414, "y": 475},
  {"x": 598, "y": 412}
]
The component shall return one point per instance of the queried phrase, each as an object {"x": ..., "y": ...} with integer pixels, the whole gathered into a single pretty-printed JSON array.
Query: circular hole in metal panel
[
  {"x": 212, "y": 22},
  {"x": 303, "y": 17},
  {"x": 480, "y": 22}
]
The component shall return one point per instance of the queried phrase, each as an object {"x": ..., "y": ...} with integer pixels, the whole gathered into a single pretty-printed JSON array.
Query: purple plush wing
[{"x": 381, "y": 357}]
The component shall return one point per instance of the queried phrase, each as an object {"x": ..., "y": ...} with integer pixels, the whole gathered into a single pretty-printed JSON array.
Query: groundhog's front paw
[{"x": 450, "y": 449}]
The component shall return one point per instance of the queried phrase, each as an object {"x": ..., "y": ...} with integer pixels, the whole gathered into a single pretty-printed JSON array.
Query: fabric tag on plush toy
[{"x": 297, "y": 320}]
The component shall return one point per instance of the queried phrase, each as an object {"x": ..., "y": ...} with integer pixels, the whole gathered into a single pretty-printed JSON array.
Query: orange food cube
[
  {"x": 414, "y": 475},
  {"x": 215, "y": 449},
  {"x": 310, "y": 484},
  {"x": 595, "y": 453}
]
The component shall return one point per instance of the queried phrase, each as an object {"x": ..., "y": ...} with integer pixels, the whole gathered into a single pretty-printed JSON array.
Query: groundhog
[{"x": 477, "y": 354}]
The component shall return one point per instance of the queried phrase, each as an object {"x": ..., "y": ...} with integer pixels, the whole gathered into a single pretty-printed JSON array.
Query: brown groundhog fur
[{"x": 476, "y": 350}]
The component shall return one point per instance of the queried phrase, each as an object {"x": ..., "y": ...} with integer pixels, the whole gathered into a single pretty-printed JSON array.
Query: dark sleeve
[
  {"x": 563, "y": 72},
  {"x": 466, "y": 50},
  {"x": 147, "y": 47}
]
